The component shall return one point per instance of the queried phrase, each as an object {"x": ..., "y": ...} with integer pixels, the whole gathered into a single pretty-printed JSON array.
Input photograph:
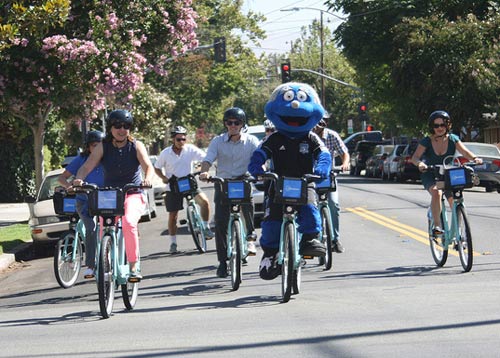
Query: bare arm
[
  {"x": 147, "y": 167},
  {"x": 345, "y": 161},
  {"x": 204, "y": 170},
  {"x": 160, "y": 174},
  {"x": 91, "y": 162},
  {"x": 63, "y": 179},
  {"x": 462, "y": 149},
  {"x": 415, "y": 159}
]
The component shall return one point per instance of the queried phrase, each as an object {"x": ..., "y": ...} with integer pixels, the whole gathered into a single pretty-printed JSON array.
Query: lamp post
[{"x": 321, "y": 38}]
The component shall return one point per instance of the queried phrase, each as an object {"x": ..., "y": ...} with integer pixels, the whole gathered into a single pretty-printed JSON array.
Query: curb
[{"x": 7, "y": 259}]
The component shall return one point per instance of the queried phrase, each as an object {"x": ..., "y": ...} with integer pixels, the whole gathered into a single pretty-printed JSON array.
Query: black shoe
[
  {"x": 311, "y": 247},
  {"x": 337, "y": 247},
  {"x": 222, "y": 270},
  {"x": 269, "y": 268}
]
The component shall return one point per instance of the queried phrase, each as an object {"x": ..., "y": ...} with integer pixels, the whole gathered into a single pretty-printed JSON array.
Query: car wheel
[{"x": 489, "y": 187}]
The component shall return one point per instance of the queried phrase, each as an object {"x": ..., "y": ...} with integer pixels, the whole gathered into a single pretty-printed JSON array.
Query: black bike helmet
[
  {"x": 178, "y": 130},
  {"x": 235, "y": 113},
  {"x": 439, "y": 114},
  {"x": 118, "y": 116},
  {"x": 94, "y": 136}
]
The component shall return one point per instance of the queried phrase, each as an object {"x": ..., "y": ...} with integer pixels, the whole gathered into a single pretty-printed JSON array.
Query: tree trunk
[{"x": 38, "y": 130}]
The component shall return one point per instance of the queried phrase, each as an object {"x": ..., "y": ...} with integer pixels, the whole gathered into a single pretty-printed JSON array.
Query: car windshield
[
  {"x": 48, "y": 187},
  {"x": 484, "y": 150}
]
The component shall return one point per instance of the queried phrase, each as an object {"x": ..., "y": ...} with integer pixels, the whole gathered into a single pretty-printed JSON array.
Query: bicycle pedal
[
  {"x": 183, "y": 221},
  {"x": 307, "y": 257}
]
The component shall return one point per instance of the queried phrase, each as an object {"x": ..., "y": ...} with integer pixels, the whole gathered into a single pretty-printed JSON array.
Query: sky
[{"x": 283, "y": 27}]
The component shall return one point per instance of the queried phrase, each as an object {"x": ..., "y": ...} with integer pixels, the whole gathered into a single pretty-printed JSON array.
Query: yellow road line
[{"x": 410, "y": 231}]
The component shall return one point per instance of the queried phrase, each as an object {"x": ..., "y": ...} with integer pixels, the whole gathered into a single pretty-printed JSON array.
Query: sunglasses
[
  {"x": 436, "y": 125},
  {"x": 180, "y": 139},
  {"x": 121, "y": 125},
  {"x": 233, "y": 123}
]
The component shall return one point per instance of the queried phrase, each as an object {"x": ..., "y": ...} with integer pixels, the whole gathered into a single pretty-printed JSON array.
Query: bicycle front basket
[
  {"x": 237, "y": 191},
  {"x": 458, "y": 178},
  {"x": 106, "y": 202},
  {"x": 291, "y": 191},
  {"x": 64, "y": 204},
  {"x": 184, "y": 185},
  {"x": 327, "y": 184}
]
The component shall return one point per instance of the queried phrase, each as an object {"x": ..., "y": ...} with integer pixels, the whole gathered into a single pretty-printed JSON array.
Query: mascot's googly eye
[
  {"x": 302, "y": 96},
  {"x": 289, "y": 95}
]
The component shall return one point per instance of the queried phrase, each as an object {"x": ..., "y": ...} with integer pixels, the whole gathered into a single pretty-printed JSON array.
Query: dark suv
[{"x": 363, "y": 150}]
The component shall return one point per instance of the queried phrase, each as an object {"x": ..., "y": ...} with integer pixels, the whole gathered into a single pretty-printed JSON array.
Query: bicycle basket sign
[
  {"x": 64, "y": 204},
  {"x": 69, "y": 205},
  {"x": 106, "y": 202},
  {"x": 458, "y": 178},
  {"x": 184, "y": 185},
  {"x": 327, "y": 184},
  {"x": 237, "y": 191},
  {"x": 292, "y": 191}
]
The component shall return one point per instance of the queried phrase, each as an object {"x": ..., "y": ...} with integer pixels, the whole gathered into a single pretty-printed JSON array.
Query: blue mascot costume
[{"x": 294, "y": 109}]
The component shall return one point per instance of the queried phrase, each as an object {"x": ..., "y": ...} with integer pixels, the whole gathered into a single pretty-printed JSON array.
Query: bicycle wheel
[
  {"x": 464, "y": 239},
  {"x": 439, "y": 253},
  {"x": 196, "y": 229},
  {"x": 235, "y": 259},
  {"x": 66, "y": 269},
  {"x": 326, "y": 238},
  {"x": 105, "y": 281},
  {"x": 287, "y": 265},
  {"x": 130, "y": 291}
]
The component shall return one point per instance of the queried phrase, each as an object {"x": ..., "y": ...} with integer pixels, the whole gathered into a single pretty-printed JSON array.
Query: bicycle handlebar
[
  {"x": 216, "y": 179},
  {"x": 273, "y": 176}
]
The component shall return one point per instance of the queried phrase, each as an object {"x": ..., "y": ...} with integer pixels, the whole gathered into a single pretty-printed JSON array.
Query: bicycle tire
[
  {"x": 326, "y": 238},
  {"x": 130, "y": 292},
  {"x": 464, "y": 240},
  {"x": 105, "y": 281},
  {"x": 66, "y": 269},
  {"x": 196, "y": 229},
  {"x": 288, "y": 263},
  {"x": 235, "y": 259},
  {"x": 439, "y": 253}
]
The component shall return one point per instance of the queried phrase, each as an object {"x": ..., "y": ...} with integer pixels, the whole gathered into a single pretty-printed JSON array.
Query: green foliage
[{"x": 13, "y": 235}]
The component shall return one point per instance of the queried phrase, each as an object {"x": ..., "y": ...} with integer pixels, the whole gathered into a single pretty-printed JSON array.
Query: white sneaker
[
  {"x": 173, "y": 248},
  {"x": 89, "y": 273},
  {"x": 252, "y": 250}
]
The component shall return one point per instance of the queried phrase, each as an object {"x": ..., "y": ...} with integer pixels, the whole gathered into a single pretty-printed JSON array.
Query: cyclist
[
  {"x": 92, "y": 139},
  {"x": 433, "y": 149},
  {"x": 232, "y": 150},
  {"x": 122, "y": 157},
  {"x": 336, "y": 147},
  {"x": 177, "y": 161}
]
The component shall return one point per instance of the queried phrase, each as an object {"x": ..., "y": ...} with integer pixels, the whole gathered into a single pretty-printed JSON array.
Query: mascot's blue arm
[
  {"x": 323, "y": 164},
  {"x": 257, "y": 161}
]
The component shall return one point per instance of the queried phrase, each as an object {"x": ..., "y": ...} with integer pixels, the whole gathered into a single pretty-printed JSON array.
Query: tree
[{"x": 95, "y": 55}]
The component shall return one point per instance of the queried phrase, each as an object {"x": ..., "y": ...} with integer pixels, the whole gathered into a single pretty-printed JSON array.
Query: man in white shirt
[{"x": 177, "y": 161}]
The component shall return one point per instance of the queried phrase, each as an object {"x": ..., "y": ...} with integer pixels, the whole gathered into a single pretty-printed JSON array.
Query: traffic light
[
  {"x": 286, "y": 72},
  {"x": 362, "y": 108},
  {"x": 369, "y": 128},
  {"x": 220, "y": 49}
]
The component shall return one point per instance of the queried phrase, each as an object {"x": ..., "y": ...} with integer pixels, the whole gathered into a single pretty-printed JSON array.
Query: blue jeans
[
  {"x": 333, "y": 203},
  {"x": 90, "y": 232}
]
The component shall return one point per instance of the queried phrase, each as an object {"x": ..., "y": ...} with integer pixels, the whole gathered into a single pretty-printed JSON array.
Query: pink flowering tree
[{"x": 96, "y": 56}]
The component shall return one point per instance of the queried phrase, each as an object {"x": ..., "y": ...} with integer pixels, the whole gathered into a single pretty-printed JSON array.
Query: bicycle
[
  {"x": 68, "y": 254},
  {"x": 457, "y": 230},
  {"x": 292, "y": 193},
  {"x": 323, "y": 188},
  {"x": 187, "y": 186},
  {"x": 112, "y": 267},
  {"x": 235, "y": 192}
]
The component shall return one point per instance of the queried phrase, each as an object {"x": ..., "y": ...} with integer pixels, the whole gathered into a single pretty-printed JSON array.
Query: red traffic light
[
  {"x": 362, "y": 108},
  {"x": 285, "y": 67},
  {"x": 369, "y": 128}
]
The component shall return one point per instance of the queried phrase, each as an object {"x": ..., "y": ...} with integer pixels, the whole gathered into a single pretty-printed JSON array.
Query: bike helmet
[
  {"x": 439, "y": 114},
  {"x": 118, "y": 116},
  {"x": 178, "y": 130},
  {"x": 94, "y": 136},
  {"x": 269, "y": 125},
  {"x": 235, "y": 113}
]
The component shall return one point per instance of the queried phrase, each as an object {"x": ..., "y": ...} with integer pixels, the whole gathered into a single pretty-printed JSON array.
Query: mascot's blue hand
[
  {"x": 257, "y": 161},
  {"x": 323, "y": 164}
]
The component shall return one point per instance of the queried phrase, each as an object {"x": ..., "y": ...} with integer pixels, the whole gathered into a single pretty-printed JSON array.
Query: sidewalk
[{"x": 12, "y": 213}]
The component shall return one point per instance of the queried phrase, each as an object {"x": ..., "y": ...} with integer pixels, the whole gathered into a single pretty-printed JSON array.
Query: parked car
[
  {"x": 45, "y": 225},
  {"x": 389, "y": 166},
  {"x": 489, "y": 171},
  {"x": 406, "y": 170},
  {"x": 364, "y": 150},
  {"x": 374, "y": 163},
  {"x": 353, "y": 139}
]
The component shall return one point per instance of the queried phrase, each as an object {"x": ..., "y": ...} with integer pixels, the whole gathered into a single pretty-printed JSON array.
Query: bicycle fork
[{"x": 296, "y": 238}]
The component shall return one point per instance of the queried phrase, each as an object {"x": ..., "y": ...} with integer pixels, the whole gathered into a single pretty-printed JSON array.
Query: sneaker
[
  {"x": 311, "y": 247},
  {"x": 222, "y": 270},
  {"x": 209, "y": 235},
  {"x": 269, "y": 268},
  {"x": 252, "y": 237},
  {"x": 337, "y": 247},
  {"x": 173, "y": 248},
  {"x": 89, "y": 273},
  {"x": 134, "y": 276},
  {"x": 437, "y": 231},
  {"x": 252, "y": 250}
]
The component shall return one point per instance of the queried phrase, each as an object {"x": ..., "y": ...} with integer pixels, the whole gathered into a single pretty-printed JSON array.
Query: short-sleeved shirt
[
  {"x": 178, "y": 164},
  {"x": 333, "y": 142},
  {"x": 96, "y": 176},
  {"x": 232, "y": 157},
  {"x": 293, "y": 157},
  {"x": 431, "y": 158}
]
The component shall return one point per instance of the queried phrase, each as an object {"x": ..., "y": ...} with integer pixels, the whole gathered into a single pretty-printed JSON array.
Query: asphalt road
[{"x": 384, "y": 296}]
